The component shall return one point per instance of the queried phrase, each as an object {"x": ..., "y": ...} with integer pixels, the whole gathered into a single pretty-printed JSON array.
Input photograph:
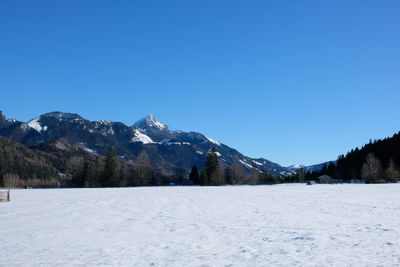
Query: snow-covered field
[{"x": 285, "y": 225}]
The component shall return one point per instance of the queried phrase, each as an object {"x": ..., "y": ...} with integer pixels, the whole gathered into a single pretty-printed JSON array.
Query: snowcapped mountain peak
[
  {"x": 151, "y": 117},
  {"x": 150, "y": 121},
  {"x": 296, "y": 167}
]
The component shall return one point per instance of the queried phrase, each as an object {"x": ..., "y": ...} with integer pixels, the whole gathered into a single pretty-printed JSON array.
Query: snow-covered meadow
[{"x": 285, "y": 225}]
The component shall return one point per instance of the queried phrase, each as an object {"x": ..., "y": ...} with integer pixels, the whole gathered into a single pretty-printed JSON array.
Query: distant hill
[{"x": 312, "y": 168}]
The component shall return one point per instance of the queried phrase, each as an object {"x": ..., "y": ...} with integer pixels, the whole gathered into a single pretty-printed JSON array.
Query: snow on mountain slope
[
  {"x": 36, "y": 125},
  {"x": 213, "y": 141},
  {"x": 317, "y": 167},
  {"x": 295, "y": 167},
  {"x": 174, "y": 143},
  {"x": 141, "y": 137},
  {"x": 257, "y": 163},
  {"x": 284, "y": 225},
  {"x": 247, "y": 165}
]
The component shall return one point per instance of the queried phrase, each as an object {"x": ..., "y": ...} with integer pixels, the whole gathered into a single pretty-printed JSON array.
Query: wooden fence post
[{"x": 5, "y": 196}]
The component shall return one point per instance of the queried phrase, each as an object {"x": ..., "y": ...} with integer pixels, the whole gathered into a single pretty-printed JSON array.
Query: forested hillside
[
  {"x": 60, "y": 163},
  {"x": 376, "y": 161}
]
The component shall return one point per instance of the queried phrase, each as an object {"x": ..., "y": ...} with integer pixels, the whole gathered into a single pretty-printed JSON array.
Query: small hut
[{"x": 325, "y": 179}]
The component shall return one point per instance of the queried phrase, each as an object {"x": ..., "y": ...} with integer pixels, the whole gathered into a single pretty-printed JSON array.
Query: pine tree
[
  {"x": 212, "y": 167},
  {"x": 97, "y": 173},
  {"x": 194, "y": 176},
  {"x": 110, "y": 166},
  {"x": 228, "y": 175},
  {"x": 267, "y": 178},
  {"x": 80, "y": 179},
  {"x": 204, "y": 178},
  {"x": 301, "y": 175},
  {"x": 85, "y": 171}
]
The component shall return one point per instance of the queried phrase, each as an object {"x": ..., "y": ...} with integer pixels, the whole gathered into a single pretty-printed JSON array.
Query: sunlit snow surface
[
  {"x": 284, "y": 225},
  {"x": 141, "y": 137},
  {"x": 35, "y": 124}
]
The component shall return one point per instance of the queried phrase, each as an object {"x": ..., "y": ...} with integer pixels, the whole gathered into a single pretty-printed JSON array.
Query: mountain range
[{"x": 167, "y": 149}]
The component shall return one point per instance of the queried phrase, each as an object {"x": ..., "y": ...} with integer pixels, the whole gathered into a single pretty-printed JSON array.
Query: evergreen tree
[
  {"x": 228, "y": 175},
  {"x": 110, "y": 166},
  {"x": 267, "y": 178},
  {"x": 1, "y": 172},
  {"x": 194, "y": 176},
  {"x": 144, "y": 170},
  {"x": 301, "y": 175},
  {"x": 97, "y": 174},
  {"x": 179, "y": 175},
  {"x": 85, "y": 171},
  {"x": 204, "y": 178},
  {"x": 212, "y": 167},
  {"x": 123, "y": 174},
  {"x": 80, "y": 179}
]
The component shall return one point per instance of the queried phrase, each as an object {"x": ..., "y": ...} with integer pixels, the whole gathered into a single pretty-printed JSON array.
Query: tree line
[
  {"x": 214, "y": 174},
  {"x": 20, "y": 166},
  {"x": 112, "y": 173},
  {"x": 376, "y": 162},
  {"x": 26, "y": 167},
  {"x": 62, "y": 164}
]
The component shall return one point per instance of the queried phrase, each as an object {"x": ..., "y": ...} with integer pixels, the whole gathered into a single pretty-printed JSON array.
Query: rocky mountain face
[{"x": 167, "y": 149}]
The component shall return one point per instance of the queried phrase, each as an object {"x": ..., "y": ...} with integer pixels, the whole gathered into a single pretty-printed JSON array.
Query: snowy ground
[{"x": 285, "y": 225}]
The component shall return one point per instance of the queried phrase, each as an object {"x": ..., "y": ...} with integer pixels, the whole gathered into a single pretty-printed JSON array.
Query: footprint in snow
[{"x": 303, "y": 238}]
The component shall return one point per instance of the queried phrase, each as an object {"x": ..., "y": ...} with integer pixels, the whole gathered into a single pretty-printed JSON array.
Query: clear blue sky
[{"x": 291, "y": 81}]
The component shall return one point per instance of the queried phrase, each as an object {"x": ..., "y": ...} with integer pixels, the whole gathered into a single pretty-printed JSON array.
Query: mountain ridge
[{"x": 166, "y": 148}]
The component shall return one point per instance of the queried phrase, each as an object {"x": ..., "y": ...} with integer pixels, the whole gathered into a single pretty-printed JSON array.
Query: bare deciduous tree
[
  {"x": 11, "y": 180},
  {"x": 143, "y": 168},
  {"x": 392, "y": 174},
  {"x": 255, "y": 176},
  {"x": 237, "y": 173},
  {"x": 371, "y": 170}
]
